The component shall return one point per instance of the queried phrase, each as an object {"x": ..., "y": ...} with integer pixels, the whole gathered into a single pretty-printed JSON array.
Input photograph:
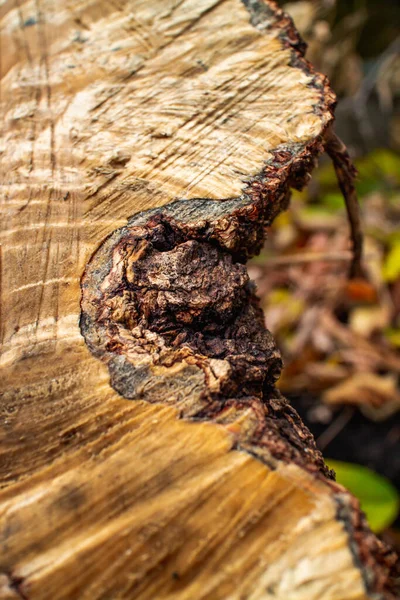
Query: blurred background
[{"x": 340, "y": 338}]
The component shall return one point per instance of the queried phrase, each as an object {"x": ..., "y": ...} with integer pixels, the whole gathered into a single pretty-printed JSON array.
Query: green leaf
[
  {"x": 278, "y": 296},
  {"x": 326, "y": 175},
  {"x": 377, "y": 171},
  {"x": 333, "y": 200},
  {"x": 391, "y": 268},
  {"x": 393, "y": 335},
  {"x": 388, "y": 161},
  {"x": 378, "y": 498}
]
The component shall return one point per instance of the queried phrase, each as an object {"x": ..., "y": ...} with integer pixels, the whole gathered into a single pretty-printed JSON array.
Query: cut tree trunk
[{"x": 147, "y": 145}]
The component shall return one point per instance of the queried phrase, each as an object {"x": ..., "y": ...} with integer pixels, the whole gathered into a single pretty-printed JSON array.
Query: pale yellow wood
[
  {"x": 122, "y": 500},
  {"x": 108, "y": 109},
  {"x": 89, "y": 139}
]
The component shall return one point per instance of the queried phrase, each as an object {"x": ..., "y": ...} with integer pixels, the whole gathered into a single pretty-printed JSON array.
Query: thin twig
[
  {"x": 310, "y": 257},
  {"x": 335, "y": 428},
  {"x": 346, "y": 174}
]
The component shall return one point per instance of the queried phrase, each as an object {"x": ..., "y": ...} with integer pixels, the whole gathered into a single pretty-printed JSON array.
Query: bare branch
[{"x": 346, "y": 174}]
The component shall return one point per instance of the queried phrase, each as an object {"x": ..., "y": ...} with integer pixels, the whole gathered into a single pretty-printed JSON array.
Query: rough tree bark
[{"x": 196, "y": 117}]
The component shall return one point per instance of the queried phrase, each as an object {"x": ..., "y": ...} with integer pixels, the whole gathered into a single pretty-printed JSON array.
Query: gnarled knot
[
  {"x": 154, "y": 300},
  {"x": 192, "y": 284}
]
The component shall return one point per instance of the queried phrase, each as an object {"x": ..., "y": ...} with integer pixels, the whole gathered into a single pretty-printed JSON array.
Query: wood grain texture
[
  {"x": 110, "y": 109},
  {"x": 89, "y": 139}
]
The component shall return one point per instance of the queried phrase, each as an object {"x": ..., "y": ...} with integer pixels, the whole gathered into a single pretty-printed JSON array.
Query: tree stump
[{"x": 147, "y": 145}]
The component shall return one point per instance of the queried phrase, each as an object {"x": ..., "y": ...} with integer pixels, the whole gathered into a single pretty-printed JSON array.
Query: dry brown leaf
[
  {"x": 365, "y": 320},
  {"x": 377, "y": 395},
  {"x": 360, "y": 290}
]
